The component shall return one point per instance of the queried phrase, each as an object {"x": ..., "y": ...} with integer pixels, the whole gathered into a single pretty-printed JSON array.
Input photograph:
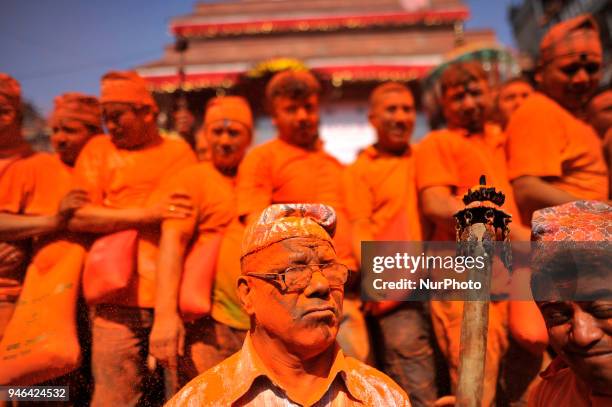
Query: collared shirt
[
  {"x": 560, "y": 387},
  {"x": 243, "y": 380}
]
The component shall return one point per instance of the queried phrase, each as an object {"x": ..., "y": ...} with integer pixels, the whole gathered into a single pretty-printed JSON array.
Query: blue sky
[{"x": 55, "y": 46}]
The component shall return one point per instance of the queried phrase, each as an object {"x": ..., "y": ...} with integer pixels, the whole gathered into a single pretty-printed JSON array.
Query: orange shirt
[
  {"x": 118, "y": 178},
  {"x": 34, "y": 185},
  {"x": 278, "y": 172},
  {"x": 213, "y": 197},
  {"x": 226, "y": 306},
  {"x": 560, "y": 387},
  {"x": 380, "y": 191},
  {"x": 31, "y": 185},
  {"x": 457, "y": 159},
  {"x": 349, "y": 383},
  {"x": 545, "y": 140}
]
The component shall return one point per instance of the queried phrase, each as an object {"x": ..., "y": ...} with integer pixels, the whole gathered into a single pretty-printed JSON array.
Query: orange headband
[
  {"x": 234, "y": 108},
  {"x": 125, "y": 87},
  {"x": 77, "y": 106},
  {"x": 570, "y": 37}
]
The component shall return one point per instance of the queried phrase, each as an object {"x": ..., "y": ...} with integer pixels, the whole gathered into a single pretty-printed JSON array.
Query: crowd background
[{"x": 121, "y": 250}]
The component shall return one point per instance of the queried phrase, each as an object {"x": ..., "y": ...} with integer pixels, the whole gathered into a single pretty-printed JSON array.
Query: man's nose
[
  {"x": 225, "y": 138},
  {"x": 581, "y": 76},
  {"x": 302, "y": 114},
  {"x": 318, "y": 286},
  {"x": 469, "y": 102},
  {"x": 585, "y": 330}
]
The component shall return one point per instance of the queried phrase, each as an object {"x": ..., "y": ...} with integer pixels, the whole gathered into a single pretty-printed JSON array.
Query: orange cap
[
  {"x": 10, "y": 89},
  {"x": 234, "y": 108},
  {"x": 79, "y": 107},
  {"x": 125, "y": 87},
  {"x": 570, "y": 37},
  {"x": 284, "y": 221}
]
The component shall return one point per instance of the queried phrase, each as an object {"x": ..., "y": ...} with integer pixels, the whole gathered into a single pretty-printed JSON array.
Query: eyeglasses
[{"x": 297, "y": 278}]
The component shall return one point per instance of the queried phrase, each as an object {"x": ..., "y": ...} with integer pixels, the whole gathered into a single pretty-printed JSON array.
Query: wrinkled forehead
[
  {"x": 5, "y": 102},
  {"x": 393, "y": 97},
  {"x": 574, "y": 275},
  {"x": 117, "y": 107},
  {"x": 579, "y": 55},
  {"x": 227, "y": 124},
  {"x": 470, "y": 85},
  {"x": 516, "y": 87}
]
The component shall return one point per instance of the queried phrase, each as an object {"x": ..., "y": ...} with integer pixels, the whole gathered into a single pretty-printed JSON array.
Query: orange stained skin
[
  {"x": 393, "y": 117},
  {"x": 10, "y": 129},
  {"x": 126, "y": 178},
  {"x": 183, "y": 120},
  {"x": 227, "y": 141},
  {"x": 464, "y": 106},
  {"x": 297, "y": 120},
  {"x": 297, "y": 330},
  {"x": 570, "y": 80},
  {"x": 581, "y": 334},
  {"x": 305, "y": 322},
  {"x": 547, "y": 141},
  {"x": 130, "y": 126},
  {"x": 68, "y": 139},
  {"x": 511, "y": 96},
  {"x": 457, "y": 159},
  {"x": 600, "y": 112},
  {"x": 278, "y": 172}
]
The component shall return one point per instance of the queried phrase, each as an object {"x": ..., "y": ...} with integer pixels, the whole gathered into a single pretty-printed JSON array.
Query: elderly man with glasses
[{"x": 292, "y": 288}]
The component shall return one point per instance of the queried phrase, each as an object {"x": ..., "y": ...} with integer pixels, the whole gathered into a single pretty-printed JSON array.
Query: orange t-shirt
[
  {"x": 121, "y": 179},
  {"x": 380, "y": 190},
  {"x": 213, "y": 198},
  {"x": 226, "y": 306},
  {"x": 31, "y": 185},
  {"x": 34, "y": 185},
  {"x": 457, "y": 159},
  {"x": 545, "y": 140},
  {"x": 561, "y": 388},
  {"x": 278, "y": 172}
]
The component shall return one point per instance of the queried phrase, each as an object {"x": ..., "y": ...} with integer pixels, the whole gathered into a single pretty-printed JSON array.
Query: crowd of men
[{"x": 131, "y": 267}]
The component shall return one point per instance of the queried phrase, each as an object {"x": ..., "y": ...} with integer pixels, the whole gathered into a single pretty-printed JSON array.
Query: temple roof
[{"x": 346, "y": 40}]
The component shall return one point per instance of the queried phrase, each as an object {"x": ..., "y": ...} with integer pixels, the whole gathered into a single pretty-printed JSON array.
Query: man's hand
[
  {"x": 177, "y": 205},
  {"x": 167, "y": 339},
  {"x": 11, "y": 257},
  {"x": 73, "y": 200}
]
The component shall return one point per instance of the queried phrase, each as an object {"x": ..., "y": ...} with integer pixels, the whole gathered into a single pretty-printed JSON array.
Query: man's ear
[
  {"x": 149, "y": 114},
  {"x": 538, "y": 75},
  {"x": 245, "y": 294}
]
